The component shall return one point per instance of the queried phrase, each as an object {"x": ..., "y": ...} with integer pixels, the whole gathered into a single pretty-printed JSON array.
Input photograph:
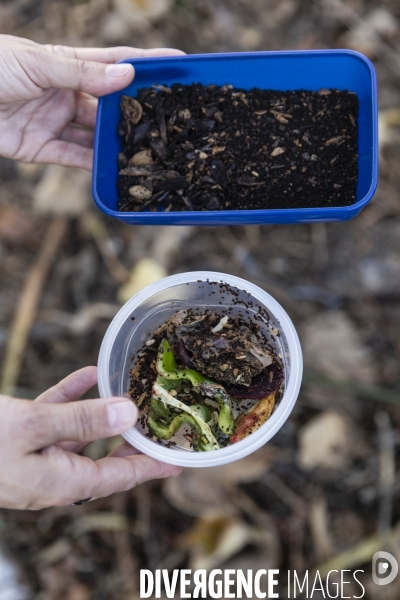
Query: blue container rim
[{"x": 329, "y": 212}]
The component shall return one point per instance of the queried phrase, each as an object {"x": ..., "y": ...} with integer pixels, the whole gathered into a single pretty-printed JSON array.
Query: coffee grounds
[{"x": 220, "y": 148}]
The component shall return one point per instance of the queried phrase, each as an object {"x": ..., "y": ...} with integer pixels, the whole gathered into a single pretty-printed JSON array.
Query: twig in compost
[{"x": 28, "y": 303}]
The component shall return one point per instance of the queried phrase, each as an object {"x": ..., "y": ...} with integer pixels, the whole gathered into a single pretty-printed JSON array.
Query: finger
[
  {"x": 121, "y": 474},
  {"x": 78, "y": 135},
  {"x": 47, "y": 424},
  {"x": 111, "y": 55},
  {"x": 86, "y": 110},
  {"x": 158, "y": 52},
  {"x": 121, "y": 451},
  {"x": 124, "y": 450},
  {"x": 108, "y": 55},
  {"x": 48, "y": 70},
  {"x": 12, "y": 40},
  {"x": 75, "y": 477},
  {"x": 71, "y": 388},
  {"x": 75, "y": 447},
  {"x": 68, "y": 154}
]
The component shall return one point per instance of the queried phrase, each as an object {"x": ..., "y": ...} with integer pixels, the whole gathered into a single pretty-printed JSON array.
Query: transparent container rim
[{"x": 252, "y": 442}]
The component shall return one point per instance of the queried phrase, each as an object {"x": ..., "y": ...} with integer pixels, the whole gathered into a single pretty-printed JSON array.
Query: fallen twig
[
  {"x": 359, "y": 554},
  {"x": 28, "y": 303},
  {"x": 84, "y": 320},
  {"x": 370, "y": 392},
  {"x": 104, "y": 243},
  {"x": 318, "y": 518},
  {"x": 387, "y": 470}
]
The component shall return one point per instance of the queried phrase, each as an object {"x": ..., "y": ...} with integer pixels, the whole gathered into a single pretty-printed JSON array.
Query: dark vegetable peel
[
  {"x": 200, "y": 373},
  {"x": 260, "y": 386},
  {"x": 185, "y": 355}
]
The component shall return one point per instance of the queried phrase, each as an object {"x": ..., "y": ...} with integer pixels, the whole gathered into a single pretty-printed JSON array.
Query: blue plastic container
[{"x": 311, "y": 70}]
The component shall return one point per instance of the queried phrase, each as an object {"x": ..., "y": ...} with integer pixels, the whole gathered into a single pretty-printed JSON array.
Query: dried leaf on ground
[
  {"x": 62, "y": 191},
  {"x": 146, "y": 271},
  {"x": 333, "y": 346},
  {"x": 17, "y": 227},
  {"x": 215, "y": 539},
  {"x": 367, "y": 34},
  {"x": 141, "y": 13},
  {"x": 389, "y": 127},
  {"x": 55, "y": 552},
  {"x": 168, "y": 242},
  {"x": 326, "y": 441},
  {"x": 198, "y": 491},
  {"x": 98, "y": 521}
]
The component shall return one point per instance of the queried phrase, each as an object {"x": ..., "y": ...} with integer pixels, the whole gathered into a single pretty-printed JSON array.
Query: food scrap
[{"x": 210, "y": 376}]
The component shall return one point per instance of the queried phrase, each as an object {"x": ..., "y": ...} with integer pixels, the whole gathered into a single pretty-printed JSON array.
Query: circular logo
[{"x": 384, "y": 568}]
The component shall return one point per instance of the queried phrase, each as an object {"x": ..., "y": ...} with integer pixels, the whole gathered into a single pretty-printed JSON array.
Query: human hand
[
  {"x": 48, "y": 97},
  {"x": 39, "y": 441}
]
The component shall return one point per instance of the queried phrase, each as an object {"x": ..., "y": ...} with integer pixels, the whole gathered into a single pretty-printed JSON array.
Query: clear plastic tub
[{"x": 152, "y": 307}]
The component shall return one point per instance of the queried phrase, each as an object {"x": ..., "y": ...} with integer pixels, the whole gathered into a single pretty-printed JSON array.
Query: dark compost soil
[{"x": 221, "y": 148}]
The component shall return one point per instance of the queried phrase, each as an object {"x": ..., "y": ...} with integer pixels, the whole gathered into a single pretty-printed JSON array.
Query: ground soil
[{"x": 339, "y": 282}]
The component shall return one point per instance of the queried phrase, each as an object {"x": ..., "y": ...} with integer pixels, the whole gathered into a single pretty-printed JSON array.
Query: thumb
[
  {"x": 55, "y": 71},
  {"x": 81, "y": 421}
]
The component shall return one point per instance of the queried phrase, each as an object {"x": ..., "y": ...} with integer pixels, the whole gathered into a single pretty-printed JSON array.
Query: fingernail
[
  {"x": 118, "y": 70},
  {"x": 79, "y": 502},
  {"x": 121, "y": 415}
]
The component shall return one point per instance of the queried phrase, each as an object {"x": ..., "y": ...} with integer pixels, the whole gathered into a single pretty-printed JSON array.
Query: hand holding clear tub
[{"x": 48, "y": 101}]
